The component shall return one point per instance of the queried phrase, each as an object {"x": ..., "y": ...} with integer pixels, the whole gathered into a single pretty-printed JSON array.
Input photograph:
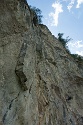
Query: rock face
[{"x": 40, "y": 83}]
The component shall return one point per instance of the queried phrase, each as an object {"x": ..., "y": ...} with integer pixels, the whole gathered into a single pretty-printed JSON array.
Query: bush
[
  {"x": 37, "y": 19},
  {"x": 64, "y": 43},
  {"x": 77, "y": 57},
  {"x": 25, "y": 1},
  {"x": 62, "y": 40}
]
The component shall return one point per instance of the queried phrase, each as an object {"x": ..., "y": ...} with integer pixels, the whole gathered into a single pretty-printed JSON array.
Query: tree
[
  {"x": 65, "y": 42},
  {"x": 77, "y": 57},
  {"x": 62, "y": 40},
  {"x": 37, "y": 19}
]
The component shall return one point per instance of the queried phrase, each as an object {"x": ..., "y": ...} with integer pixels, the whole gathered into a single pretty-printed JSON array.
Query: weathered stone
[{"x": 40, "y": 83}]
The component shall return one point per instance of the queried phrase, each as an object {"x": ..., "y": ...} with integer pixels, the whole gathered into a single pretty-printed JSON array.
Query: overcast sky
[{"x": 63, "y": 16}]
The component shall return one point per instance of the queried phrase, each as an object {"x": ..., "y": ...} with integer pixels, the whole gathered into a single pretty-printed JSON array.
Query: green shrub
[
  {"x": 62, "y": 40},
  {"x": 64, "y": 43},
  {"x": 37, "y": 19},
  {"x": 77, "y": 57}
]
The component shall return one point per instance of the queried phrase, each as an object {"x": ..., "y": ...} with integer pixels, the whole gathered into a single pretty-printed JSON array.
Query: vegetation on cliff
[
  {"x": 64, "y": 42},
  {"x": 37, "y": 19}
]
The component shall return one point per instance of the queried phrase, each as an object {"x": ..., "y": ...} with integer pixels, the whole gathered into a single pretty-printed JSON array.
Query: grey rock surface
[{"x": 40, "y": 83}]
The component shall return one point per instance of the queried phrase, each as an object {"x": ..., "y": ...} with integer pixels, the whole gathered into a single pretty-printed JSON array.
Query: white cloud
[
  {"x": 79, "y": 2},
  {"x": 76, "y": 47},
  {"x": 77, "y": 44},
  {"x": 72, "y": 2},
  {"x": 57, "y": 10},
  {"x": 65, "y": 0},
  {"x": 79, "y": 53},
  {"x": 70, "y": 5}
]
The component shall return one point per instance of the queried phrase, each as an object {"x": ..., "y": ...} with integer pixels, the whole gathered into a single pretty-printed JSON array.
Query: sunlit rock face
[{"x": 40, "y": 83}]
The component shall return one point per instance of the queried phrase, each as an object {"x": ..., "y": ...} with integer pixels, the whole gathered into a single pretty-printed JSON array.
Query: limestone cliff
[{"x": 40, "y": 83}]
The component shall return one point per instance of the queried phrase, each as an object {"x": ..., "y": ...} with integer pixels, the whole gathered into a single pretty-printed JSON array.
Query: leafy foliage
[
  {"x": 64, "y": 43},
  {"x": 37, "y": 19},
  {"x": 25, "y": 1},
  {"x": 62, "y": 40},
  {"x": 77, "y": 57}
]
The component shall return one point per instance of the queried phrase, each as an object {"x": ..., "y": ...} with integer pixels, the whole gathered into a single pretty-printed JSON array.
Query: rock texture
[{"x": 40, "y": 83}]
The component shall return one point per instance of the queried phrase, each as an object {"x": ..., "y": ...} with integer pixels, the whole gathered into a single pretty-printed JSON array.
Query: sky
[{"x": 63, "y": 16}]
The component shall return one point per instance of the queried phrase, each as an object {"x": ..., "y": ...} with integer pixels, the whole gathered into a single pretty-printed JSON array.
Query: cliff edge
[{"x": 40, "y": 83}]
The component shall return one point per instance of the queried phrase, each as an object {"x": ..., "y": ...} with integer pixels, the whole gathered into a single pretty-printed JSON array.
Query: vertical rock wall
[{"x": 40, "y": 83}]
